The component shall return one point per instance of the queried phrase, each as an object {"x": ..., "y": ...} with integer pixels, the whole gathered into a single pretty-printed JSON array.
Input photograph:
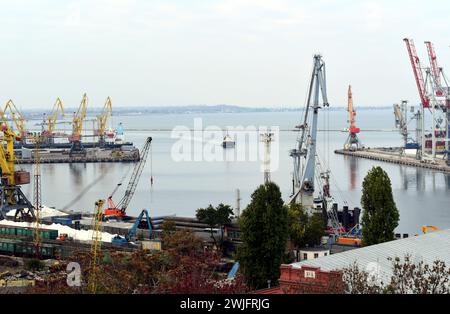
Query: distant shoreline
[{"x": 197, "y": 109}]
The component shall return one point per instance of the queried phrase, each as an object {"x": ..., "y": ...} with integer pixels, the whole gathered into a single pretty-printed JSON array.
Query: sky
[{"x": 255, "y": 53}]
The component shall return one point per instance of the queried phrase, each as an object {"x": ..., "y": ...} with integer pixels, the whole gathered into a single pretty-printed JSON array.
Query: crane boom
[
  {"x": 58, "y": 107},
  {"x": 435, "y": 70},
  {"x": 417, "y": 70},
  {"x": 16, "y": 116},
  {"x": 102, "y": 119},
  {"x": 135, "y": 176},
  {"x": 122, "y": 205}
]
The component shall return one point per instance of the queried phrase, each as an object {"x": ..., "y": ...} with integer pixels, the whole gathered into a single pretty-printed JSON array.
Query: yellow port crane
[
  {"x": 11, "y": 195},
  {"x": 102, "y": 120},
  {"x": 77, "y": 128},
  {"x": 16, "y": 117},
  {"x": 57, "y": 112}
]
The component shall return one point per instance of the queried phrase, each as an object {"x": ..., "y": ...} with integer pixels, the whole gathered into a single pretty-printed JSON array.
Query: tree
[
  {"x": 407, "y": 277},
  {"x": 216, "y": 217},
  {"x": 264, "y": 233},
  {"x": 380, "y": 216},
  {"x": 304, "y": 230}
]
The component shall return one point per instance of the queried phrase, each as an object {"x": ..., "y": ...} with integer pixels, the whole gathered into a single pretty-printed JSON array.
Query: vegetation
[
  {"x": 184, "y": 267},
  {"x": 407, "y": 278},
  {"x": 380, "y": 216},
  {"x": 264, "y": 232},
  {"x": 33, "y": 264},
  {"x": 304, "y": 230},
  {"x": 216, "y": 217}
]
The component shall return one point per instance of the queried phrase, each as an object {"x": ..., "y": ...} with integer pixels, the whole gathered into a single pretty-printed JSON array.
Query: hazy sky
[{"x": 240, "y": 52}]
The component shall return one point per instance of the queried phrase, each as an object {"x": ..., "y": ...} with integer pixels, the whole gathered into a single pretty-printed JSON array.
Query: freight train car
[
  {"x": 28, "y": 249},
  {"x": 16, "y": 232}
]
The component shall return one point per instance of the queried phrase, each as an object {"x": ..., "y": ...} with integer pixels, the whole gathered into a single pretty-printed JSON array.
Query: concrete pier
[{"x": 396, "y": 158}]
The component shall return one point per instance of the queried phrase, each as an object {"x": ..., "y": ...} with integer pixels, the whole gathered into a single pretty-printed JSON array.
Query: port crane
[
  {"x": 434, "y": 96},
  {"x": 119, "y": 210},
  {"x": 352, "y": 142},
  {"x": 304, "y": 155},
  {"x": 77, "y": 128},
  {"x": 51, "y": 119},
  {"x": 102, "y": 120},
  {"x": 139, "y": 223},
  {"x": 17, "y": 118},
  {"x": 11, "y": 195}
]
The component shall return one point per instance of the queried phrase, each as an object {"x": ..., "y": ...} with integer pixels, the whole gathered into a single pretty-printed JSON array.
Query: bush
[{"x": 34, "y": 264}]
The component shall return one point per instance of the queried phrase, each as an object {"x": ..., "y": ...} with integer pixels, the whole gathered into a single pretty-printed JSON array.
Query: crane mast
[
  {"x": 304, "y": 155},
  {"x": 352, "y": 142}
]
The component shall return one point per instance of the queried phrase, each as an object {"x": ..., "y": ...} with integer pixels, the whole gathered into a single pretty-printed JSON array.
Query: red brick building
[{"x": 306, "y": 279}]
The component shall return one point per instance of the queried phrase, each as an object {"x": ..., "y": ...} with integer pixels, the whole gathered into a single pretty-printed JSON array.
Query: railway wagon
[
  {"x": 16, "y": 232},
  {"x": 27, "y": 249}
]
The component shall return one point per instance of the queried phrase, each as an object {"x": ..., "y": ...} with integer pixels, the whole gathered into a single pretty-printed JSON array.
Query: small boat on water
[{"x": 228, "y": 142}]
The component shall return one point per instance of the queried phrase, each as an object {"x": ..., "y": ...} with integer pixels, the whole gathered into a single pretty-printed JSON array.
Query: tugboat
[{"x": 228, "y": 142}]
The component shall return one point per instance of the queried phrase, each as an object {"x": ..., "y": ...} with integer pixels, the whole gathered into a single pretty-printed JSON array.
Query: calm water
[{"x": 422, "y": 196}]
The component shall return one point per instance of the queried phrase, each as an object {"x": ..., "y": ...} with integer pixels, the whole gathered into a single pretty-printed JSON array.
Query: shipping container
[{"x": 22, "y": 177}]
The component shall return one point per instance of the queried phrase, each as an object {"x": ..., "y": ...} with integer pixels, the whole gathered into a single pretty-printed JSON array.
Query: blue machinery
[{"x": 121, "y": 240}]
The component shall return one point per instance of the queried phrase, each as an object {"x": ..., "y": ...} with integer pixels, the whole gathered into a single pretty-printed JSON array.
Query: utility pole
[
  {"x": 267, "y": 139},
  {"x": 37, "y": 196},
  {"x": 238, "y": 203}
]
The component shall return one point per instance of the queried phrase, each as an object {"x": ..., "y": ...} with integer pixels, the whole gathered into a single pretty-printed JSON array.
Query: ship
[{"x": 228, "y": 142}]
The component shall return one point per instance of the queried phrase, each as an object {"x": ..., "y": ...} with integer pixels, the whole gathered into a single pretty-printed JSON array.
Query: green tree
[
  {"x": 264, "y": 233},
  {"x": 380, "y": 216},
  {"x": 304, "y": 230},
  {"x": 216, "y": 217}
]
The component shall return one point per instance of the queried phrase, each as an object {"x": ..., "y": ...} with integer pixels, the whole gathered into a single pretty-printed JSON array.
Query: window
[
  {"x": 305, "y": 256},
  {"x": 316, "y": 255},
  {"x": 326, "y": 254}
]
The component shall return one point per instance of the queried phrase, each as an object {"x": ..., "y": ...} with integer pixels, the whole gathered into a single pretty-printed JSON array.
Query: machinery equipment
[
  {"x": 305, "y": 154},
  {"x": 50, "y": 121},
  {"x": 139, "y": 223},
  {"x": 11, "y": 195},
  {"x": 119, "y": 210},
  {"x": 102, "y": 120},
  {"x": 95, "y": 245},
  {"x": 17, "y": 118},
  {"x": 77, "y": 128},
  {"x": 427, "y": 229},
  {"x": 352, "y": 142}
]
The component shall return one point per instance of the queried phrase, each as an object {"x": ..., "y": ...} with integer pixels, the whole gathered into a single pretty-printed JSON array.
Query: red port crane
[
  {"x": 417, "y": 69},
  {"x": 352, "y": 142}
]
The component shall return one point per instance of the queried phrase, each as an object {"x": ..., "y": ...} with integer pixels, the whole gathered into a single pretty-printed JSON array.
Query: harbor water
[{"x": 180, "y": 187}]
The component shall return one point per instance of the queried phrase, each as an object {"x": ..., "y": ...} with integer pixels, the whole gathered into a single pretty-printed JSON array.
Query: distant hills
[{"x": 192, "y": 109}]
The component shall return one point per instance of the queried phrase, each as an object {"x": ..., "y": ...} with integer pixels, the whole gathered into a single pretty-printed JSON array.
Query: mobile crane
[
  {"x": 119, "y": 210},
  {"x": 11, "y": 195},
  {"x": 147, "y": 223}
]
